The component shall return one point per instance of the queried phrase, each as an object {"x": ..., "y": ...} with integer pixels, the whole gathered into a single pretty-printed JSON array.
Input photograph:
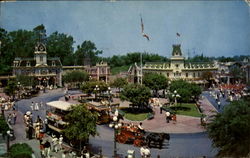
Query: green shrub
[
  {"x": 3, "y": 125},
  {"x": 20, "y": 150}
]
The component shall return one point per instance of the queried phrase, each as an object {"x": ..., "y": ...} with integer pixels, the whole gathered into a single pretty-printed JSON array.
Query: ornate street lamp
[
  {"x": 96, "y": 89},
  {"x": 8, "y": 139},
  {"x": 19, "y": 86},
  {"x": 109, "y": 97},
  {"x": 115, "y": 125},
  {"x": 175, "y": 96}
]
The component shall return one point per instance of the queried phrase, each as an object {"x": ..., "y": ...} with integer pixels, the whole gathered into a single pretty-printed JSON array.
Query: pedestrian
[
  {"x": 174, "y": 118},
  {"x": 147, "y": 153},
  {"x": 54, "y": 143},
  {"x": 36, "y": 107},
  {"x": 32, "y": 106},
  {"x": 14, "y": 115},
  {"x": 47, "y": 149},
  {"x": 60, "y": 141},
  {"x": 167, "y": 116},
  {"x": 46, "y": 125},
  {"x": 9, "y": 118},
  {"x": 30, "y": 131},
  {"x": 42, "y": 148},
  {"x": 64, "y": 154},
  {"x": 41, "y": 105},
  {"x": 142, "y": 150},
  {"x": 218, "y": 104},
  {"x": 141, "y": 128},
  {"x": 160, "y": 108}
]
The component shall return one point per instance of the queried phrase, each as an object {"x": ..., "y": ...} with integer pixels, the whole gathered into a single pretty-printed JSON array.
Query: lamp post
[
  {"x": 96, "y": 89},
  {"x": 175, "y": 96},
  {"x": 8, "y": 139},
  {"x": 109, "y": 97},
  {"x": 115, "y": 125},
  {"x": 18, "y": 86}
]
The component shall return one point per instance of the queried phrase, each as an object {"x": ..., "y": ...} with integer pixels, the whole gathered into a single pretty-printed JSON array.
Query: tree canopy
[
  {"x": 87, "y": 53},
  {"x": 137, "y": 94},
  {"x": 81, "y": 124},
  {"x": 119, "y": 83},
  {"x": 230, "y": 130},
  {"x": 61, "y": 45},
  {"x": 155, "y": 81},
  {"x": 75, "y": 76},
  {"x": 188, "y": 91},
  {"x": 89, "y": 87}
]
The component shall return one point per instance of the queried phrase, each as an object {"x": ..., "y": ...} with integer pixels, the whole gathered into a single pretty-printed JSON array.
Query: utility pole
[{"x": 141, "y": 69}]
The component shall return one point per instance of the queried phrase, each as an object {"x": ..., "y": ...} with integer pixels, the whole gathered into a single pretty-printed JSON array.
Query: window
[
  {"x": 41, "y": 58},
  {"x": 53, "y": 63},
  {"x": 194, "y": 74},
  {"x": 167, "y": 74},
  {"x": 186, "y": 74},
  {"x": 176, "y": 65},
  {"x": 28, "y": 64}
]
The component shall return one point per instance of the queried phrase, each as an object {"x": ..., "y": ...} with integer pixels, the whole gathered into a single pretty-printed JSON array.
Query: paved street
[
  {"x": 180, "y": 145},
  {"x": 212, "y": 100}
]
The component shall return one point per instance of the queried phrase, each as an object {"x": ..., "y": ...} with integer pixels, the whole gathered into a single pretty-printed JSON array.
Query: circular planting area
[{"x": 135, "y": 114}]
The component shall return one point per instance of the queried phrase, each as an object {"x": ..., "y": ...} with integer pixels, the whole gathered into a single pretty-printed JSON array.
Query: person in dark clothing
[
  {"x": 47, "y": 148},
  {"x": 30, "y": 131}
]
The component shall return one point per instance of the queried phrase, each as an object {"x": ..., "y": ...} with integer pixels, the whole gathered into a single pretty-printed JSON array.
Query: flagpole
[{"x": 141, "y": 68}]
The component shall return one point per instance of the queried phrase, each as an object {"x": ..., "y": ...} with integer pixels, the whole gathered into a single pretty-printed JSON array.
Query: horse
[{"x": 156, "y": 138}]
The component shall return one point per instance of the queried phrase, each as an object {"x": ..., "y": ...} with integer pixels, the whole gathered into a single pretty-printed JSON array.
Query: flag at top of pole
[{"x": 178, "y": 40}]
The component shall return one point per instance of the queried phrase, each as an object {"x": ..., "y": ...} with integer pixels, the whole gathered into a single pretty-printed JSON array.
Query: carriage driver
[{"x": 141, "y": 128}]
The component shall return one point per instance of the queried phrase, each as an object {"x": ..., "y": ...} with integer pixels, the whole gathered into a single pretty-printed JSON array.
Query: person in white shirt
[
  {"x": 167, "y": 116},
  {"x": 36, "y": 107},
  {"x": 54, "y": 143},
  {"x": 141, "y": 128},
  {"x": 60, "y": 141},
  {"x": 147, "y": 153},
  {"x": 142, "y": 150},
  {"x": 116, "y": 112}
]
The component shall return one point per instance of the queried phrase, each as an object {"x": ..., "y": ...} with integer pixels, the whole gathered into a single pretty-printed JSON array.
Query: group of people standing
[
  {"x": 12, "y": 118},
  {"x": 36, "y": 106},
  {"x": 54, "y": 145}
]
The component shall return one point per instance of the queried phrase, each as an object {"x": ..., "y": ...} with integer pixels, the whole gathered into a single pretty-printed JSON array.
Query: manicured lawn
[
  {"x": 135, "y": 114},
  {"x": 136, "y": 117},
  {"x": 188, "y": 109}
]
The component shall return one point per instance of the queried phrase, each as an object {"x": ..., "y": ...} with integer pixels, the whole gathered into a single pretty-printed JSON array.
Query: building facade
[
  {"x": 176, "y": 68},
  {"x": 47, "y": 71}
]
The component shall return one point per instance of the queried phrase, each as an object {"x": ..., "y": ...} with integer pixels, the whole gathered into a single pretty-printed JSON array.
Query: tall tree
[
  {"x": 61, "y": 45},
  {"x": 90, "y": 87},
  {"x": 188, "y": 92},
  {"x": 230, "y": 130},
  {"x": 81, "y": 124},
  {"x": 6, "y": 55},
  {"x": 87, "y": 53},
  {"x": 155, "y": 81},
  {"x": 137, "y": 94},
  {"x": 120, "y": 83},
  {"x": 10, "y": 88}
]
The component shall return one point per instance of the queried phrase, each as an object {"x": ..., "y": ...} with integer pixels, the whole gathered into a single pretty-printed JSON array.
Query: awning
[{"x": 61, "y": 105}]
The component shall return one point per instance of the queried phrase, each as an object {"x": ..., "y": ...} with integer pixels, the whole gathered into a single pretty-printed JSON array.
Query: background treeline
[{"x": 21, "y": 43}]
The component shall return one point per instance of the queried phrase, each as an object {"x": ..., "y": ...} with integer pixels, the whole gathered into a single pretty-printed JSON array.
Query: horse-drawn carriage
[{"x": 133, "y": 135}]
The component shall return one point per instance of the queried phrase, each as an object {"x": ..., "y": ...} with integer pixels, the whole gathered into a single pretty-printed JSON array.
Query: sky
[{"x": 214, "y": 28}]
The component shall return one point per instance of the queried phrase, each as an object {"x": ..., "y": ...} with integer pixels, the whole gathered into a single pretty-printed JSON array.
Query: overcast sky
[{"x": 214, "y": 28}]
